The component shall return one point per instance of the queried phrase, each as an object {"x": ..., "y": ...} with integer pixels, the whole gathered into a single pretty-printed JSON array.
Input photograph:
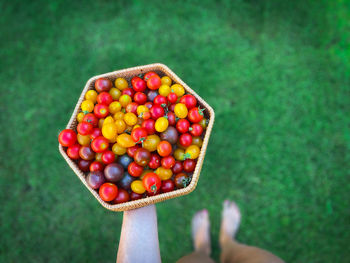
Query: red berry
[
  {"x": 156, "y": 112},
  {"x": 101, "y": 110},
  {"x": 189, "y": 165},
  {"x": 104, "y": 98},
  {"x": 85, "y": 128},
  {"x": 168, "y": 162},
  {"x": 164, "y": 148},
  {"x": 108, "y": 192},
  {"x": 135, "y": 196},
  {"x": 160, "y": 100},
  {"x": 99, "y": 144},
  {"x": 103, "y": 84},
  {"x": 96, "y": 166},
  {"x": 177, "y": 168},
  {"x": 95, "y": 133},
  {"x": 86, "y": 153},
  {"x": 196, "y": 129},
  {"x": 146, "y": 115},
  {"x": 140, "y": 97},
  {"x": 128, "y": 91},
  {"x": 132, "y": 150},
  {"x": 149, "y": 125},
  {"x": 195, "y": 114},
  {"x": 84, "y": 165},
  {"x": 139, "y": 134},
  {"x": 138, "y": 84},
  {"x": 108, "y": 157},
  {"x": 151, "y": 182},
  {"x": 183, "y": 125},
  {"x": 154, "y": 82},
  {"x": 154, "y": 163},
  {"x": 171, "y": 118},
  {"x": 148, "y": 75},
  {"x": 131, "y": 107},
  {"x": 91, "y": 118},
  {"x": 189, "y": 100},
  {"x": 167, "y": 186},
  {"x": 172, "y": 97},
  {"x": 73, "y": 151},
  {"x": 185, "y": 140},
  {"x": 134, "y": 169},
  {"x": 67, "y": 137},
  {"x": 122, "y": 197},
  {"x": 172, "y": 107}
]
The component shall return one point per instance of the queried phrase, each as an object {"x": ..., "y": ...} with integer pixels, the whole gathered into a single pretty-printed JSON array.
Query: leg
[
  {"x": 139, "y": 237},
  {"x": 201, "y": 240},
  {"x": 234, "y": 252},
  {"x": 196, "y": 257}
]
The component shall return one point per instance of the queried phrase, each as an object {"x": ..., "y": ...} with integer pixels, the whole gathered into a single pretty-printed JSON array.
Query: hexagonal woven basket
[{"x": 128, "y": 74}]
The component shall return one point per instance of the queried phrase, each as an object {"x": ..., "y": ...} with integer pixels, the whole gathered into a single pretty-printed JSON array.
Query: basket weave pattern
[{"x": 128, "y": 74}]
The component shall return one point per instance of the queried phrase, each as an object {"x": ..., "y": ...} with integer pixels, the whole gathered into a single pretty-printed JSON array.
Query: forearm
[{"x": 139, "y": 236}]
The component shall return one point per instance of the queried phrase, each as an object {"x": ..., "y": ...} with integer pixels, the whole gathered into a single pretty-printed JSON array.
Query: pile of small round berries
[{"x": 136, "y": 139}]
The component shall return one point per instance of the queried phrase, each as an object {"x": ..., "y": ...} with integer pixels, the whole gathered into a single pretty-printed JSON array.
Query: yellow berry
[
  {"x": 161, "y": 124},
  {"x": 118, "y": 150},
  {"x": 141, "y": 109},
  {"x": 163, "y": 173},
  {"x": 121, "y": 126},
  {"x": 130, "y": 118},
  {"x": 192, "y": 152},
  {"x": 108, "y": 120},
  {"x": 115, "y": 93},
  {"x": 121, "y": 83},
  {"x": 178, "y": 90},
  {"x": 179, "y": 154},
  {"x": 114, "y": 107},
  {"x": 91, "y": 95},
  {"x": 125, "y": 140},
  {"x": 180, "y": 110},
  {"x": 137, "y": 187},
  {"x": 109, "y": 130},
  {"x": 83, "y": 140},
  {"x": 125, "y": 100},
  {"x": 164, "y": 90},
  {"x": 87, "y": 105},
  {"x": 80, "y": 116},
  {"x": 166, "y": 80}
]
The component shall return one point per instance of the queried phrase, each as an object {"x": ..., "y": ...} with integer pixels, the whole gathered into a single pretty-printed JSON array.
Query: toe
[
  {"x": 235, "y": 210},
  {"x": 226, "y": 203},
  {"x": 205, "y": 214}
]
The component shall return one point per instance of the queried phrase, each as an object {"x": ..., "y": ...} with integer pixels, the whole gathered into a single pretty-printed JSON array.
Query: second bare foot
[
  {"x": 230, "y": 221},
  {"x": 201, "y": 231}
]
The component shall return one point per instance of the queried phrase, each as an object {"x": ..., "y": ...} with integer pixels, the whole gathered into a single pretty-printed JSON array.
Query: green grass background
[{"x": 277, "y": 75}]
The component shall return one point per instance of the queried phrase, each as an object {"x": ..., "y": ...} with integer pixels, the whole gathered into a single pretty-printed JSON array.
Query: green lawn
[{"x": 277, "y": 75}]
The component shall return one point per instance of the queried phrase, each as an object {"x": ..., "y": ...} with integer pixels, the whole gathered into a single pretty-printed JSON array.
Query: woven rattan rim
[{"x": 128, "y": 73}]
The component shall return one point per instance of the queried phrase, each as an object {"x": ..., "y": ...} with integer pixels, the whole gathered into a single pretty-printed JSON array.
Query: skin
[
  {"x": 141, "y": 224},
  {"x": 139, "y": 237}
]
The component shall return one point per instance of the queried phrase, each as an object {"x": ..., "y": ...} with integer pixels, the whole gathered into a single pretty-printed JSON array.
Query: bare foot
[
  {"x": 201, "y": 231},
  {"x": 231, "y": 218}
]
